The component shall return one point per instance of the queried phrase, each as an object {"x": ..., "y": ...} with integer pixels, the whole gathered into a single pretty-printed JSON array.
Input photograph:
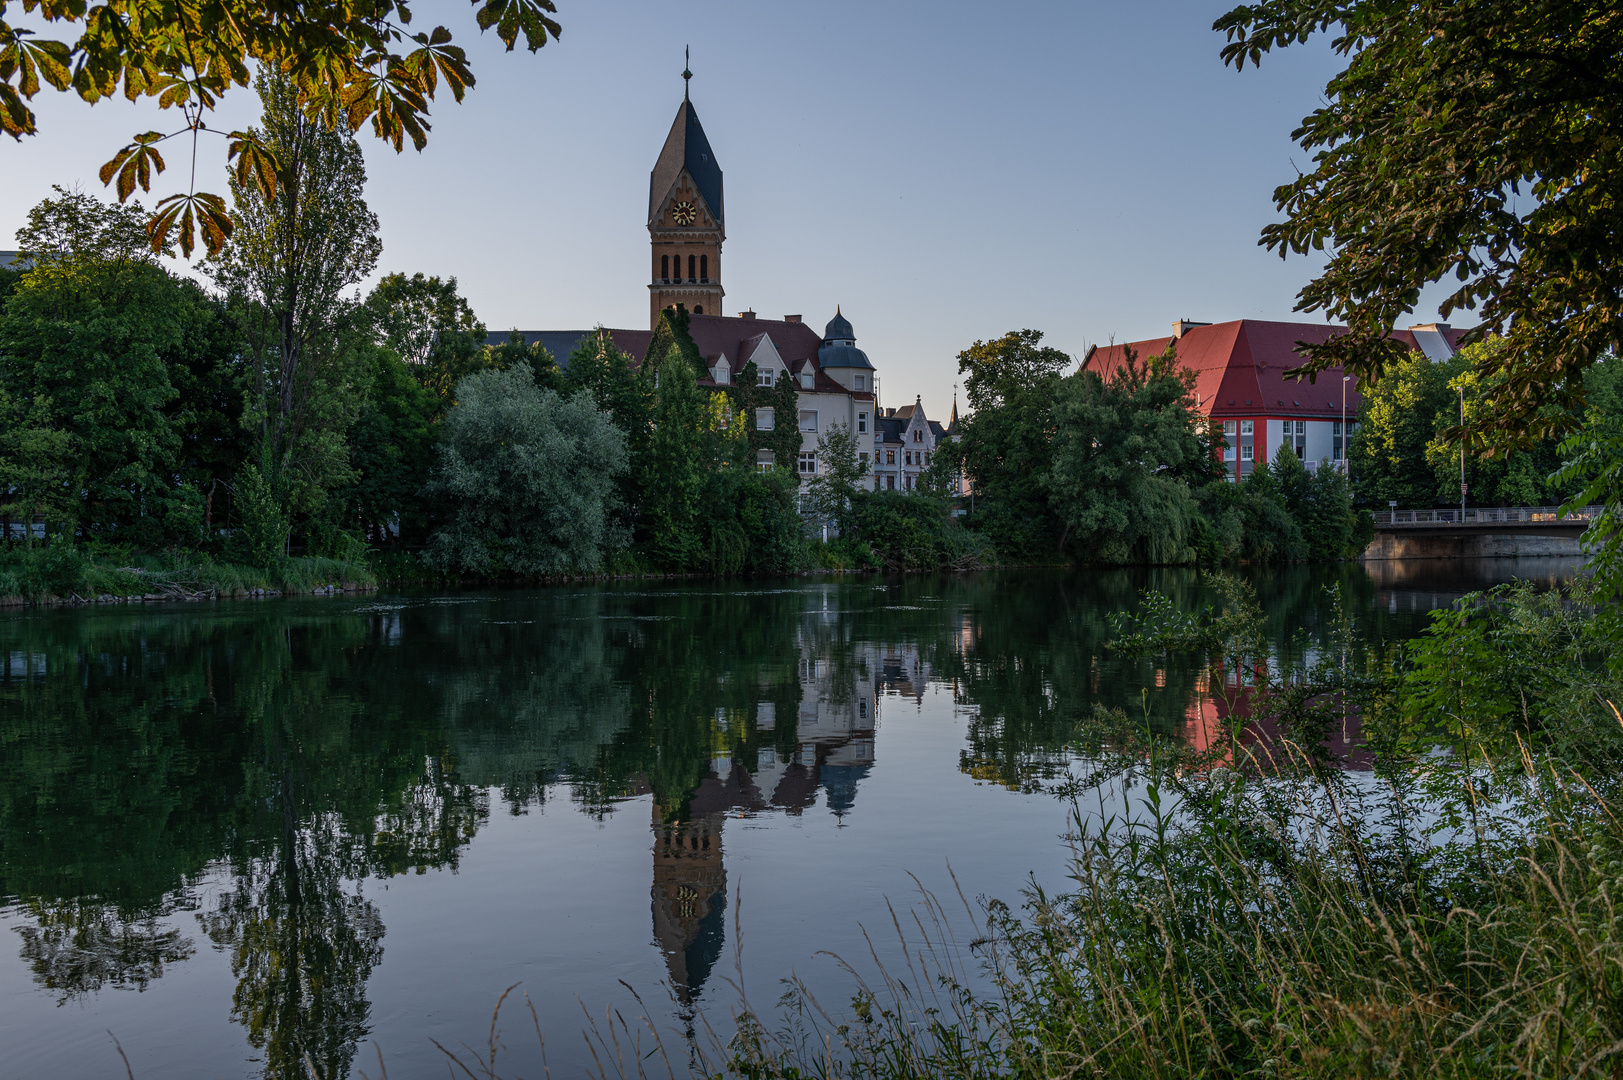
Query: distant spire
[
  {"x": 836, "y": 309},
  {"x": 686, "y": 74}
]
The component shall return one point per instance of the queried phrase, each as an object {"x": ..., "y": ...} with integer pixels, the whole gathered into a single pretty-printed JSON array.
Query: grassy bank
[{"x": 61, "y": 572}]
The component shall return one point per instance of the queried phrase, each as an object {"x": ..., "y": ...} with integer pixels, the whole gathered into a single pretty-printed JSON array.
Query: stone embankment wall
[{"x": 1388, "y": 545}]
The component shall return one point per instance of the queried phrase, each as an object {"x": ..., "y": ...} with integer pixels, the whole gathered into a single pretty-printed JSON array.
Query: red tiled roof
[{"x": 1240, "y": 367}]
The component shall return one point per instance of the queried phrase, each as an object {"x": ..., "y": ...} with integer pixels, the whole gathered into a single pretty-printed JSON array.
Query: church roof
[
  {"x": 560, "y": 343},
  {"x": 686, "y": 148}
]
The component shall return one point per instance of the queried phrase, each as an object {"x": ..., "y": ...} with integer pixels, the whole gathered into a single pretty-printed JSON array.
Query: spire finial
[
  {"x": 686, "y": 74},
  {"x": 836, "y": 309}
]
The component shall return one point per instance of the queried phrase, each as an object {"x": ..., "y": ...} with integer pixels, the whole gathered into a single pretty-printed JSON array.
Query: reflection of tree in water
[
  {"x": 302, "y": 944},
  {"x": 77, "y": 947}
]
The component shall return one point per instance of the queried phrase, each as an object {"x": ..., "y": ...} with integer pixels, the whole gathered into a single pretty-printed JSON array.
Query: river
[{"x": 239, "y": 833}]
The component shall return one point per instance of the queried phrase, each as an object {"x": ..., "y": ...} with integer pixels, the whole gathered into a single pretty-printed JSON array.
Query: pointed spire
[{"x": 686, "y": 74}]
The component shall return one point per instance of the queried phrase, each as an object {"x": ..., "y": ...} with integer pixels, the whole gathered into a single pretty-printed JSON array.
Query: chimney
[
  {"x": 746, "y": 314},
  {"x": 1183, "y": 326},
  {"x": 791, "y": 318}
]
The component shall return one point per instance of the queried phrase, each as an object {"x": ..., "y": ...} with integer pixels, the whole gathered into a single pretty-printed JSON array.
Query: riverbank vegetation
[{"x": 1260, "y": 911}]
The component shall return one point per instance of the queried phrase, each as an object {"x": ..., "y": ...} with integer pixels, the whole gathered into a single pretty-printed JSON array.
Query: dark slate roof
[
  {"x": 846, "y": 356},
  {"x": 686, "y": 148},
  {"x": 560, "y": 343},
  {"x": 839, "y": 328},
  {"x": 891, "y": 428}
]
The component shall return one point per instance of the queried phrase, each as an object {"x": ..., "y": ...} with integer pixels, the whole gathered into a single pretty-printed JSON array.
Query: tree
[
  {"x": 345, "y": 66},
  {"x": 1011, "y": 383},
  {"x": 36, "y": 478},
  {"x": 529, "y": 477},
  {"x": 1477, "y": 141},
  {"x": 295, "y": 254},
  {"x": 684, "y": 446},
  {"x": 1118, "y": 444},
  {"x": 1407, "y": 446},
  {"x": 96, "y": 341},
  {"x": 429, "y": 326},
  {"x": 832, "y": 492},
  {"x": 391, "y": 449}
]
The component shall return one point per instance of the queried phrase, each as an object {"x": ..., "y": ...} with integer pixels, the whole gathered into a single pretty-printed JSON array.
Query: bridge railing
[{"x": 1485, "y": 515}]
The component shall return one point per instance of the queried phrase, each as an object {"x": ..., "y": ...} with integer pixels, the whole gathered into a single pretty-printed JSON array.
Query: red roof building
[{"x": 1240, "y": 381}]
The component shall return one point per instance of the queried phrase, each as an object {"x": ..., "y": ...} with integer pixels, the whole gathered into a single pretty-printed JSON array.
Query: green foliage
[
  {"x": 914, "y": 531},
  {"x": 294, "y": 254},
  {"x": 1118, "y": 447},
  {"x": 391, "y": 450},
  {"x": 1423, "y": 173},
  {"x": 528, "y": 477},
  {"x": 831, "y": 494},
  {"x": 97, "y": 345},
  {"x": 1012, "y": 383},
  {"x": 263, "y": 520},
  {"x": 429, "y": 326}
]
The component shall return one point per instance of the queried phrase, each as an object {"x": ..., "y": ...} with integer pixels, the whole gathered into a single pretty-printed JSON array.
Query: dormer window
[{"x": 806, "y": 379}]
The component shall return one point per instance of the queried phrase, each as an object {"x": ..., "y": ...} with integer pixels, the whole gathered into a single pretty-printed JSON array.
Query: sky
[{"x": 944, "y": 172}]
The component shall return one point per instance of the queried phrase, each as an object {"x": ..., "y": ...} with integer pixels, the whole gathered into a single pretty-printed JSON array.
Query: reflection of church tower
[
  {"x": 685, "y": 218},
  {"x": 690, "y": 898}
]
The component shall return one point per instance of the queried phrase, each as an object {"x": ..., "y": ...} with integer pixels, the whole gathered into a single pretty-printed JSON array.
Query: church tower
[{"x": 685, "y": 217}]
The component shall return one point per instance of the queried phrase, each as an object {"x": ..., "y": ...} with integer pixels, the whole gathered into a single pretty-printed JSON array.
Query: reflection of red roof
[{"x": 1240, "y": 367}]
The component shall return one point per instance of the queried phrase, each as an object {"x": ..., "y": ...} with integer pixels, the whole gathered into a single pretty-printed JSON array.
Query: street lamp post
[
  {"x": 1345, "y": 434},
  {"x": 1462, "y": 453}
]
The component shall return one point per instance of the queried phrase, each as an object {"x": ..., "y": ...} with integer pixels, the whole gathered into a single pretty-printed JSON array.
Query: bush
[{"x": 529, "y": 477}]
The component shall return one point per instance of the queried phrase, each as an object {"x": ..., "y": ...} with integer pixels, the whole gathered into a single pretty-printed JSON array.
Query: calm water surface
[{"x": 235, "y": 834}]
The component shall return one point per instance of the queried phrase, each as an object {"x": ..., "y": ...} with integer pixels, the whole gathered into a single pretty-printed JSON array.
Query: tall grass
[{"x": 62, "y": 571}]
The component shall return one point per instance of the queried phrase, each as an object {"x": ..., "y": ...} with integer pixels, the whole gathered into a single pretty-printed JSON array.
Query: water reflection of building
[{"x": 830, "y": 747}]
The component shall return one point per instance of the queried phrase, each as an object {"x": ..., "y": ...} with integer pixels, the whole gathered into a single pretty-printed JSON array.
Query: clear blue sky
[{"x": 946, "y": 171}]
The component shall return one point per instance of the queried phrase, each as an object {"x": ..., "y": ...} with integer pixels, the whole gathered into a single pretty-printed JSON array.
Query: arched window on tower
[
  {"x": 704, "y": 268},
  {"x": 665, "y": 267},
  {"x": 691, "y": 261}
]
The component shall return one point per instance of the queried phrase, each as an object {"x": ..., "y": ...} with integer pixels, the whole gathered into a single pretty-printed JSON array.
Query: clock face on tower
[{"x": 682, "y": 213}]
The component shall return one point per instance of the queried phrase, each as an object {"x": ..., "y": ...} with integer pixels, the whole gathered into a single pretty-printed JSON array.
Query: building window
[
  {"x": 890, "y": 457},
  {"x": 704, "y": 268},
  {"x": 1335, "y": 440},
  {"x": 927, "y": 459},
  {"x": 862, "y": 422},
  {"x": 862, "y": 382},
  {"x": 806, "y": 379},
  {"x": 697, "y": 310},
  {"x": 863, "y": 456},
  {"x": 918, "y": 436},
  {"x": 1248, "y": 427},
  {"x": 765, "y": 419},
  {"x": 808, "y": 462},
  {"x": 691, "y": 261},
  {"x": 665, "y": 267},
  {"x": 907, "y": 457},
  {"x": 1228, "y": 453},
  {"x": 1246, "y": 452},
  {"x": 763, "y": 378},
  {"x": 1229, "y": 427},
  {"x": 808, "y": 419},
  {"x": 1301, "y": 438},
  {"x": 764, "y": 460},
  {"x": 890, "y": 482}
]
